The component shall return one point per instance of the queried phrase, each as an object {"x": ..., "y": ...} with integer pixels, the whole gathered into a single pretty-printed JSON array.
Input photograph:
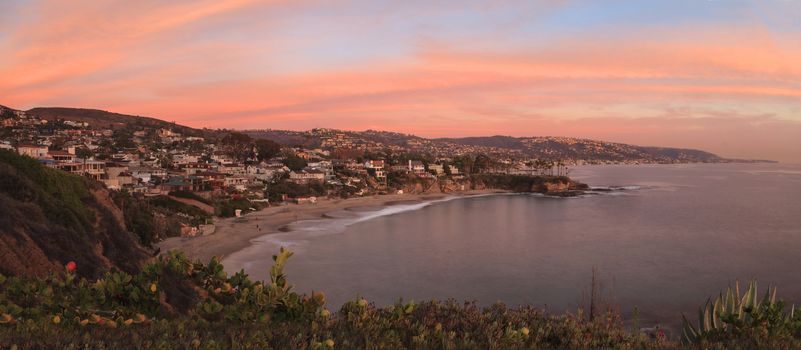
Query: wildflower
[
  {"x": 71, "y": 266},
  {"x": 362, "y": 302},
  {"x": 153, "y": 288},
  {"x": 329, "y": 343},
  {"x": 524, "y": 330},
  {"x": 56, "y": 319}
]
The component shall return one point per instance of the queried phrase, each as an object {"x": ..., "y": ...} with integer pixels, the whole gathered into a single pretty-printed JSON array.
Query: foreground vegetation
[{"x": 174, "y": 303}]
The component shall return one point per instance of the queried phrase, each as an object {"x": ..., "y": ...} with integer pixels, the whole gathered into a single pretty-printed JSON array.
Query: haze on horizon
[{"x": 722, "y": 76}]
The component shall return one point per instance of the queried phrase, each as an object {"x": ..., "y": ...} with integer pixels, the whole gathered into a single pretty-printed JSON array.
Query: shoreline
[{"x": 232, "y": 235}]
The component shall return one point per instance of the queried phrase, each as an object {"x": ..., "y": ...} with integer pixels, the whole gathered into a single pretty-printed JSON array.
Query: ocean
[{"x": 661, "y": 238}]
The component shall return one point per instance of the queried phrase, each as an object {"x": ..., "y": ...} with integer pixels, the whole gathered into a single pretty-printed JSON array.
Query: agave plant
[{"x": 732, "y": 313}]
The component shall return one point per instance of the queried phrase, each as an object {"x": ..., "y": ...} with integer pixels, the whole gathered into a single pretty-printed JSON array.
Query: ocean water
[{"x": 666, "y": 238}]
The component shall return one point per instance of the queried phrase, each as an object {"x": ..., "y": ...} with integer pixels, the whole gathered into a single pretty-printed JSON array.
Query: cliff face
[
  {"x": 50, "y": 217},
  {"x": 550, "y": 185}
]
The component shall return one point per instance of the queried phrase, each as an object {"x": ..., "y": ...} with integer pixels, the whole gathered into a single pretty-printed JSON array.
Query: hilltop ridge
[{"x": 570, "y": 149}]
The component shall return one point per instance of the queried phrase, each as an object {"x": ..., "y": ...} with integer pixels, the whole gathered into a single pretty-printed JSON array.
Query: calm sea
[{"x": 667, "y": 239}]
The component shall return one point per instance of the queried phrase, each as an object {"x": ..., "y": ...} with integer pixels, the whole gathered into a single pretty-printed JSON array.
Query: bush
[
  {"x": 189, "y": 195},
  {"x": 178, "y": 207},
  {"x": 174, "y": 303},
  {"x": 227, "y": 207}
]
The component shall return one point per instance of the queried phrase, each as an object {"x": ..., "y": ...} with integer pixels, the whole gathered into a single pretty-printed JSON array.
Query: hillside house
[
  {"x": 306, "y": 175},
  {"x": 33, "y": 151}
]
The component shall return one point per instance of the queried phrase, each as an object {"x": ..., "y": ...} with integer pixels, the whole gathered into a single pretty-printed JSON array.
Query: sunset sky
[{"x": 720, "y": 75}]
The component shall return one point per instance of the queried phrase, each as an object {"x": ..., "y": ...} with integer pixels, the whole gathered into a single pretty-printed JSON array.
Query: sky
[{"x": 718, "y": 75}]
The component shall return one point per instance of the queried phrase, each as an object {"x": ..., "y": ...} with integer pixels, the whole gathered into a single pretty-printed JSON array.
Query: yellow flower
[
  {"x": 329, "y": 343},
  {"x": 153, "y": 288},
  {"x": 524, "y": 330},
  {"x": 363, "y": 302},
  {"x": 56, "y": 319}
]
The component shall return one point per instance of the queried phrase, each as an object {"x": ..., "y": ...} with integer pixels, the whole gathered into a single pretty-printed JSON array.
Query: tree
[
  {"x": 482, "y": 163},
  {"x": 83, "y": 153},
  {"x": 293, "y": 162},
  {"x": 266, "y": 149}
]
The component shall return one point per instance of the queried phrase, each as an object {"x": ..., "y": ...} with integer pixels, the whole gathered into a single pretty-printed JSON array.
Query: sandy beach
[{"x": 234, "y": 234}]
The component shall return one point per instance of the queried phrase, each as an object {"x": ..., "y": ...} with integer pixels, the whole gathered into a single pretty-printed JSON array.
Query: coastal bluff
[{"x": 560, "y": 186}]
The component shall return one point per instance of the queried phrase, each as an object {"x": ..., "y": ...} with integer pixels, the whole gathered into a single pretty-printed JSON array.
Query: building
[
  {"x": 61, "y": 156},
  {"x": 378, "y": 167},
  {"x": 183, "y": 183},
  {"x": 90, "y": 168},
  {"x": 306, "y": 175},
  {"x": 33, "y": 151},
  {"x": 417, "y": 167},
  {"x": 437, "y": 168}
]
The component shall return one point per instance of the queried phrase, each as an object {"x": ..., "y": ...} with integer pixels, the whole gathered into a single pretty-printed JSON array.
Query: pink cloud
[{"x": 666, "y": 83}]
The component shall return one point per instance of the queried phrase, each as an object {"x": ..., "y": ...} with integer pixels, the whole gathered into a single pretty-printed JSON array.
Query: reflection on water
[{"x": 683, "y": 235}]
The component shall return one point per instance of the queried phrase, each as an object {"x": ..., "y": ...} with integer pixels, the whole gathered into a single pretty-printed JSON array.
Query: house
[
  {"x": 417, "y": 167},
  {"x": 119, "y": 180},
  {"x": 213, "y": 179},
  {"x": 91, "y": 168},
  {"x": 399, "y": 168},
  {"x": 237, "y": 182},
  {"x": 94, "y": 169},
  {"x": 437, "y": 168},
  {"x": 61, "y": 156},
  {"x": 146, "y": 174},
  {"x": 33, "y": 151},
  {"x": 305, "y": 200},
  {"x": 306, "y": 175},
  {"x": 183, "y": 183},
  {"x": 374, "y": 164}
]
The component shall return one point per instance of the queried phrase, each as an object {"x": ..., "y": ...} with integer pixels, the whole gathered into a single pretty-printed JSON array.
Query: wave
[
  {"x": 301, "y": 231},
  {"x": 615, "y": 188}
]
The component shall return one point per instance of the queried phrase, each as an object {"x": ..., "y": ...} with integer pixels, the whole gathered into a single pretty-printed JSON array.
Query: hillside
[
  {"x": 104, "y": 119},
  {"x": 574, "y": 148},
  {"x": 50, "y": 217},
  {"x": 540, "y": 147}
]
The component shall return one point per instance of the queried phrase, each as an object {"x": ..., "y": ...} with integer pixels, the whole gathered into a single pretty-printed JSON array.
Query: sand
[{"x": 234, "y": 234}]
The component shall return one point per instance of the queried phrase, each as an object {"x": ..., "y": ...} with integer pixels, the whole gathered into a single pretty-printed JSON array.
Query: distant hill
[
  {"x": 535, "y": 147},
  {"x": 487, "y": 141},
  {"x": 574, "y": 148},
  {"x": 104, "y": 119},
  {"x": 49, "y": 217}
]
